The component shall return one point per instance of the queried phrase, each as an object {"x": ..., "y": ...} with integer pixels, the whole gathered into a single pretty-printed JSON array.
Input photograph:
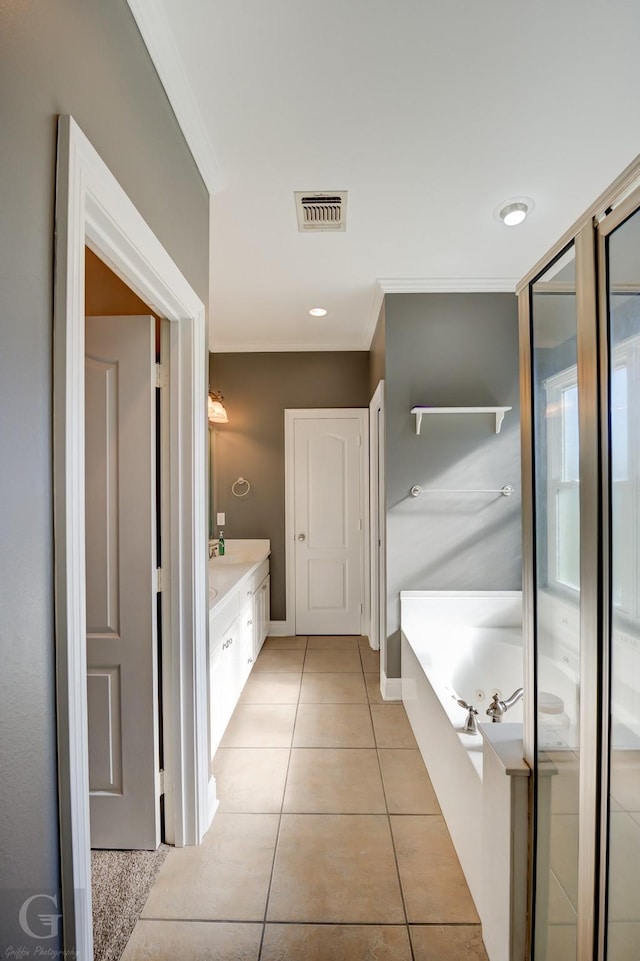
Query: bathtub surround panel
[
  {"x": 86, "y": 59},
  {"x": 450, "y": 350},
  {"x": 481, "y": 781},
  {"x": 257, "y": 389}
]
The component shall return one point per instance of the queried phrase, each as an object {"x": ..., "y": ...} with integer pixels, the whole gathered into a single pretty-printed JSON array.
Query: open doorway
[
  {"x": 93, "y": 210},
  {"x": 126, "y": 449}
]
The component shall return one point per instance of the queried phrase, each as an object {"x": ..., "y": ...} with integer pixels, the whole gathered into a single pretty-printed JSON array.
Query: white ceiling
[{"x": 430, "y": 114}]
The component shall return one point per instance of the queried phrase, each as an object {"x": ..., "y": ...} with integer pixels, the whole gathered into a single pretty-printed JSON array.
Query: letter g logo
[{"x": 48, "y": 922}]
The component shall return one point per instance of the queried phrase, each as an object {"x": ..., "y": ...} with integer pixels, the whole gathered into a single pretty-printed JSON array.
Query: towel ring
[{"x": 240, "y": 481}]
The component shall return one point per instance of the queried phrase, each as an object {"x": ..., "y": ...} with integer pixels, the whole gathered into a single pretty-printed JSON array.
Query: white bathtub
[{"x": 468, "y": 645}]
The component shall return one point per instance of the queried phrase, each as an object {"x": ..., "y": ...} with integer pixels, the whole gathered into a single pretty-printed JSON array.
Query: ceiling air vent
[{"x": 326, "y": 210}]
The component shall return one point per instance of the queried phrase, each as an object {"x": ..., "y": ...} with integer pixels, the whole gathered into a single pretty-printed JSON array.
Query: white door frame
[
  {"x": 377, "y": 525},
  {"x": 92, "y": 209},
  {"x": 315, "y": 413}
]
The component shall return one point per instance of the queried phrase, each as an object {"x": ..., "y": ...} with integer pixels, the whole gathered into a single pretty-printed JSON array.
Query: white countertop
[{"x": 241, "y": 558}]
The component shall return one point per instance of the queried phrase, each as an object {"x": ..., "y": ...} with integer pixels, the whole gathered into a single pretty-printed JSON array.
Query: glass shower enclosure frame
[{"x": 580, "y": 482}]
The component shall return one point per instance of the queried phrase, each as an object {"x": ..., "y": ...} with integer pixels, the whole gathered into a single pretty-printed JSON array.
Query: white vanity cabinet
[
  {"x": 224, "y": 679},
  {"x": 247, "y": 647},
  {"x": 260, "y": 607},
  {"x": 238, "y": 625},
  {"x": 261, "y": 613}
]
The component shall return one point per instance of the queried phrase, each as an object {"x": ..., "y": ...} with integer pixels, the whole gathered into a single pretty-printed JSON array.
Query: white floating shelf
[{"x": 498, "y": 411}]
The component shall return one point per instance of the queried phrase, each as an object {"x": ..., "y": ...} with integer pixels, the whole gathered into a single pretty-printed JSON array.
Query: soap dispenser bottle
[{"x": 221, "y": 544}]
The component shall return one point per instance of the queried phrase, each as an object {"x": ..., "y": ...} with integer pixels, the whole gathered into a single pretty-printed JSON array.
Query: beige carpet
[{"x": 120, "y": 885}]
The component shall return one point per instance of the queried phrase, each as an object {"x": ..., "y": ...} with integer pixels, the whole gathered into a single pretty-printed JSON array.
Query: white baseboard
[
  {"x": 390, "y": 687},
  {"x": 279, "y": 629}
]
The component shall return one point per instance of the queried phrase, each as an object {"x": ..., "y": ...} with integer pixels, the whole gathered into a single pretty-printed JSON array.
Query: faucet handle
[
  {"x": 467, "y": 707},
  {"x": 496, "y": 709}
]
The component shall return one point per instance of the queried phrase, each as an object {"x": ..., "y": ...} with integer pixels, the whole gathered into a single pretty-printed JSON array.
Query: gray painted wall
[
  {"x": 83, "y": 57},
  {"x": 377, "y": 352},
  {"x": 257, "y": 389},
  {"x": 450, "y": 350}
]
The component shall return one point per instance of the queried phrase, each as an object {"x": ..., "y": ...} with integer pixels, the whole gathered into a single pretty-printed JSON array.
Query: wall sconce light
[{"x": 215, "y": 408}]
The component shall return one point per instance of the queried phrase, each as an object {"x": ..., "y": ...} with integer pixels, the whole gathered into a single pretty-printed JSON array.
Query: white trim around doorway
[
  {"x": 377, "y": 524},
  {"x": 92, "y": 209}
]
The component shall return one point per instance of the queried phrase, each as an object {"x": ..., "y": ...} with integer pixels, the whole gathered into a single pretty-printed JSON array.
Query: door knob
[{"x": 301, "y": 537}]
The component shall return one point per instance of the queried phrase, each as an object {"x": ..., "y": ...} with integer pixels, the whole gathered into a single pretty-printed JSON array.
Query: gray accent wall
[
  {"x": 86, "y": 58},
  {"x": 257, "y": 389},
  {"x": 377, "y": 352},
  {"x": 450, "y": 350}
]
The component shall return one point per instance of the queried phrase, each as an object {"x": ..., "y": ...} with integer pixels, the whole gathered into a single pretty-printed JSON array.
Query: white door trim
[
  {"x": 313, "y": 413},
  {"x": 377, "y": 589},
  {"x": 93, "y": 209}
]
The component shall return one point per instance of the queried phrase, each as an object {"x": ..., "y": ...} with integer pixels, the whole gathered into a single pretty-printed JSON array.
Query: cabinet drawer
[
  {"x": 222, "y": 619},
  {"x": 259, "y": 575}
]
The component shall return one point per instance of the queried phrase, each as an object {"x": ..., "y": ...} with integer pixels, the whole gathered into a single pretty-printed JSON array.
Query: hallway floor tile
[
  {"x": 250, "y": 780},
  {"x": 335, "y": 725},
  {"x": 328, "y": 844},
  {"x": 334, "y": 781},
  {"x": 319, "y": 942},
  {"x": 226, "y": 878},
  {"x": 335, "y": 867},
  {"x": 334, "y": 688},
  {"x": 195, "y": 940}
]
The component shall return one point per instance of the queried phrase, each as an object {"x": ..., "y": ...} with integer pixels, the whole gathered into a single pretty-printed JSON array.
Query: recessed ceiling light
[
  {"x": 318, "y": 312},
  {"x": 514, "y": 211},
  {"x": 514, "y": 214}
]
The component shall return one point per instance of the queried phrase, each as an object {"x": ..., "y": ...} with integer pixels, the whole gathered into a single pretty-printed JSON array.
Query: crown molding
[
  {"x": 158, "y": 39},
  {"x": 447, "y": 285}
]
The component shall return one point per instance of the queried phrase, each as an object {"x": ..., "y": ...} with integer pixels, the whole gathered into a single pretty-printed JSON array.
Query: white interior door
[
  {"x": 121, "y": 564},
  {"x": 328, "y": 520}
]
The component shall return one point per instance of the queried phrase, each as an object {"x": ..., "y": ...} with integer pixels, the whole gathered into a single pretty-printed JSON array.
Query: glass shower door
[
  {"x": 621, "y": 303},
  {"x": 580, "y": 365},
  {"x": 556, "y": 604}
]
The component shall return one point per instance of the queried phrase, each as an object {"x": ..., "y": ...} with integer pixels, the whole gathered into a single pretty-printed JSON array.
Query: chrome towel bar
[{"x": 506, "y": 491}]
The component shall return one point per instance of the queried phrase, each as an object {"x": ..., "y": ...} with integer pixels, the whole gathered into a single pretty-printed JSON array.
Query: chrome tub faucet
[
  {"x": 470, "y": 725},
  {"x": 498, "y": 707}
]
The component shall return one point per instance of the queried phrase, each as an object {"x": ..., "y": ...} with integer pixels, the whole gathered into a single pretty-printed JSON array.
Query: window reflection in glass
[
  {"x": 557, "y": 538},
  {"x": 623, "y": 265}
]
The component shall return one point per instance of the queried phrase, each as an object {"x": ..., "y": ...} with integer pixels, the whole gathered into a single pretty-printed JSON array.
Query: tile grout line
[
  {"x": 388, "y": 816},
  {"x": 284, "y": 791},
  {"x": 346, "y": 924},
  {"x": 256, "y": 921},
  {"x": 328, "y": 705}
]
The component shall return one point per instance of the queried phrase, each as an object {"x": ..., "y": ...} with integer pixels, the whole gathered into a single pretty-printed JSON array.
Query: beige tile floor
[{"x": 328, "y": 842}]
